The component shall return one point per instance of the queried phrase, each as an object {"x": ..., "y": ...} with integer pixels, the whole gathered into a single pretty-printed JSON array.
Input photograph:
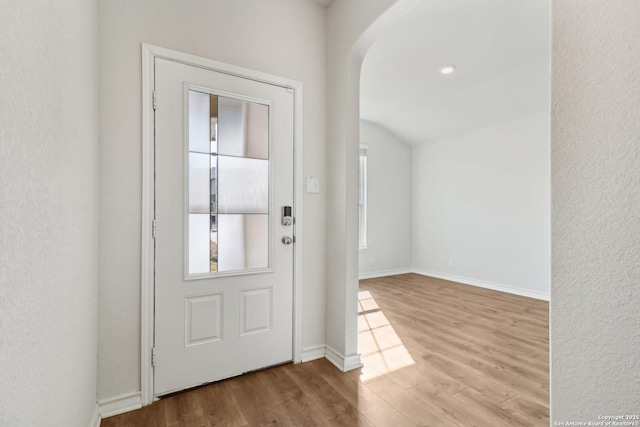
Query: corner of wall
[
  {"x": 95, "y": 417},
  {"x": 120, "y": 404}
]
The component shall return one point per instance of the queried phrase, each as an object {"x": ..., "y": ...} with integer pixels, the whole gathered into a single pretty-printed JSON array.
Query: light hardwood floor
[{"x": 436, "y": 353}]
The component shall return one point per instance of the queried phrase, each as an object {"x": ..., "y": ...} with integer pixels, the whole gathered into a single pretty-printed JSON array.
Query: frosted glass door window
[
  {"x": 245, "y": 239},
  {"x": 228, "y": 213},
  {"x": 199, "y": 183},
  {"x": 199, "y": 256},
  {"x": 244, "y": 129},
  {"x": 244, "y": 185},
  {"x": 199, "y": 116}
]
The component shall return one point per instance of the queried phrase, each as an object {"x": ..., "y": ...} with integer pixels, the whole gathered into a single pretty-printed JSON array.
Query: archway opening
[{"x": 454, "y": 130}]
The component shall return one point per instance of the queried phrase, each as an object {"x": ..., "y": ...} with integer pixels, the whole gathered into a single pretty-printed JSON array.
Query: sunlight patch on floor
[{"x": 380, "y": 347}]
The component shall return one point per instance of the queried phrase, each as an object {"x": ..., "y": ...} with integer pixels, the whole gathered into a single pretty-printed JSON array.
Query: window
[
  {"x": 362, "y": 197},
  {"x": 228, "y": 214}
]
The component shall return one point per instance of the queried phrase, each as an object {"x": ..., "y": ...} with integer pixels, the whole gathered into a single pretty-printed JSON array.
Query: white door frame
[{"x": 149, "y": 53}]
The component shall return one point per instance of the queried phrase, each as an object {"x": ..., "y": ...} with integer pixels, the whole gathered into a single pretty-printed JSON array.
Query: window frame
[{"x": 362, "y": 196}]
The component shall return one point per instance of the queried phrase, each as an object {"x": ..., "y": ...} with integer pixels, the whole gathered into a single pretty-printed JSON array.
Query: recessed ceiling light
[{"x": 447, "y": 69}]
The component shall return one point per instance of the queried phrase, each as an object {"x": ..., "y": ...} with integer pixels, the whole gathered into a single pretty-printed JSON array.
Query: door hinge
[
  {"x": 153, "y": 356},
  {"x": 155, "y": 100},
  {"x": 153, "y": 228}
]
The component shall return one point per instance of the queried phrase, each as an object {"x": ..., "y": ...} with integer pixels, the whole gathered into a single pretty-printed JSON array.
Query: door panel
[{"x": 223, "y": 277}]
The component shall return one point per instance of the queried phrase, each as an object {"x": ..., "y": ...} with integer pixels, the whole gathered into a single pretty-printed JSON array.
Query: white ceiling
[
  {"x": 324, "y": 3},
  {"x": 500, "y": 49}
]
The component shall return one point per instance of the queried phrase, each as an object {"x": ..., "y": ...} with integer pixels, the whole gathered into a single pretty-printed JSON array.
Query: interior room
[
  {"x": 454, "y": 191},
  {"x": 458, "y": 181},
  {"x": 95, "y": 152}
]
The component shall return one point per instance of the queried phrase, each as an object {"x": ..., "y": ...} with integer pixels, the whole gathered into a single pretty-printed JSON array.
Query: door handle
[{"x": 287, "y": 240}]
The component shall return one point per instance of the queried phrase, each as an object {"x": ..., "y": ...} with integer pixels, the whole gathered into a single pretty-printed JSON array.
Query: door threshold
[
  {"x": 275, "y": 365},
  {"x": 196, "y": 387}
]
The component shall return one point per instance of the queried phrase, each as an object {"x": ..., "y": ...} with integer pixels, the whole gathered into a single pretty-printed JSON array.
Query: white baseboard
[
  {"x": 120, "y": 404},
  {"x": 313, "y": 353},
  {"x": 344, "y": 363},
  {"x": 384, "y": 273},
  {"x": 482, "y": 284},
  {"x": 352, "y": 362},
  {"x": 95, "y": 417}
]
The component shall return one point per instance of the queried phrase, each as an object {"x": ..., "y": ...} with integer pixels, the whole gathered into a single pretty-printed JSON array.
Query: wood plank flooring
[{"x": 435, "y": 353}]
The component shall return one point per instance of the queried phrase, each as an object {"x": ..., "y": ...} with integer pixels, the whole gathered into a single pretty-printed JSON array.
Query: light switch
[{"x": 313, "y": 185}]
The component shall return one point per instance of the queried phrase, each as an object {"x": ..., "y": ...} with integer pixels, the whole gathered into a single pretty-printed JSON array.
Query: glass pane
[
  {"x": 199, "y": 251},
  {"x": 214, "y": 245},
  {"x": 214, "y": 123},
  {"x": 228, "y": 173},
  {"x": 199, "y": 182},
  {"x": 243, "y": 242},
  {"x": 243, "y": 185},
  {"x": 243, "y": 129},
  {"x": 199, "y": 122},
  {"x": 213, "y": 186}
]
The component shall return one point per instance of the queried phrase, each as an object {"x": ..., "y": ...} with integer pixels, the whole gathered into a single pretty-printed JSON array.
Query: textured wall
[
  {"x": 481, "y": 199},
  {"x": 388, "y": 202},
  {"x": 285, "y": 38},
  {"x": 48, "y": 212},
  {"x": 595, "y": 295}
]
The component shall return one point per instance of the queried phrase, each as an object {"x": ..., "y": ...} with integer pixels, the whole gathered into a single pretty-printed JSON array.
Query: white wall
[
  {"x": 595, "y": 320},
  {"x": 481, "y": 199},
  {"x": 48, "y": 212},
  {"x": 286, "y": 38},
  {"x": 388, "y": 202}
]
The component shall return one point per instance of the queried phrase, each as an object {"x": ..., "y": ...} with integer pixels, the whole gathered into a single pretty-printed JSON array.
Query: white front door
[{"x": 223, "y": 260}]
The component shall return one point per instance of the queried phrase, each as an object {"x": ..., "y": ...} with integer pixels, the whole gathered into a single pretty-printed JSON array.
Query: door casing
[{"x": 149, "y": 53}]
